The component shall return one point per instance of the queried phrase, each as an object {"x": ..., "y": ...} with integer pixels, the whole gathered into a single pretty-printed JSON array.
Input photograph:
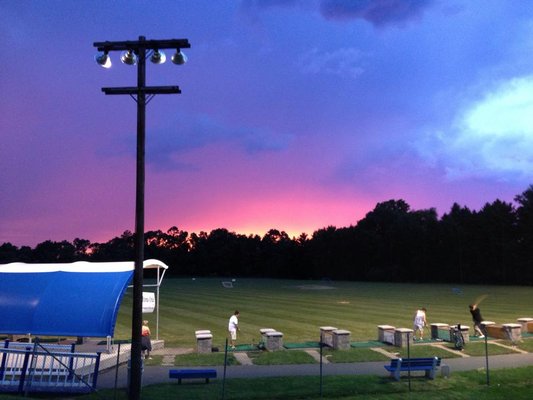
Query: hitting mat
[
  {"x": 371, "y": 343},
  {"x": 304, "y": 345}
]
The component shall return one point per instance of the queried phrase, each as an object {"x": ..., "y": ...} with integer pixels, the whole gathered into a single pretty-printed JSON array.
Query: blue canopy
[{"x": 77, "y": 299}]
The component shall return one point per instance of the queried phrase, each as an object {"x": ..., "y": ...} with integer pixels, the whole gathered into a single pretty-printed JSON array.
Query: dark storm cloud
[{"x": 379, "y": 13}]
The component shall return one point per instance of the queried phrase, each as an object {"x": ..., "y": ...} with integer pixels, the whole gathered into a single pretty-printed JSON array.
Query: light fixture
[
  {"x": 158, "y": 57},
  {"x": 103, "y": 59},
  {"x": 179, "y": 58},
  {"x": 128, "y": 57}
]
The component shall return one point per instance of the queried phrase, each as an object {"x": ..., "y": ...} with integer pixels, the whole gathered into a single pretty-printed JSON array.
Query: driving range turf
[{"x": 300, "y": 308}]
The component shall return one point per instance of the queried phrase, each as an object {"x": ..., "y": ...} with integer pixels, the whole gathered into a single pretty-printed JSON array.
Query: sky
[{"x": 294, "y": 114}]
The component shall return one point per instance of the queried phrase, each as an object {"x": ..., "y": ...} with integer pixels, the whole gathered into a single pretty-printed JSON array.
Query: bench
[
  {"x": 180, "y": 374},
  {"x": 428, "y": 365}
]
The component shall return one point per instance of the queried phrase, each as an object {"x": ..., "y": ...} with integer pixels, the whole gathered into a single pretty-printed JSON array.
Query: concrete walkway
[{"x": 159, "y": 374}]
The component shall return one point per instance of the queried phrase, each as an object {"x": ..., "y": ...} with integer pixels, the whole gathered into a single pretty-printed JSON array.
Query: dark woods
[{"x": 391, "y": 243}]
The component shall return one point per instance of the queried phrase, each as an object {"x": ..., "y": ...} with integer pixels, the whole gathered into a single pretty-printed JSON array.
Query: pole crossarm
[
  {"x": 153, "y": 90},
  {"x": 146, "y": 44}
]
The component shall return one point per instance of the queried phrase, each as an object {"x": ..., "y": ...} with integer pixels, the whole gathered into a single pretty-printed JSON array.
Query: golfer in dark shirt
[{"x": 477, "y": 318}]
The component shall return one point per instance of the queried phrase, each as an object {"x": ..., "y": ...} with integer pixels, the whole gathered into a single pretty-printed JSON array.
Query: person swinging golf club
[
  {"x": 478, "y": 319},
  {"x": 233, "y": 327}
]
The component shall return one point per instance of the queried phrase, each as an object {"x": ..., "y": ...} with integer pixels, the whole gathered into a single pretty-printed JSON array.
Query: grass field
[
  {"x": 299, "y": 308},
  {"x": 513, "y": 384}
]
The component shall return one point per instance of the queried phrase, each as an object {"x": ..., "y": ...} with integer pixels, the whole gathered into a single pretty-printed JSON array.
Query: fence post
[
  {"x": 3, "y": 365},
  {"x": 409, "y": 358},
  {"x": 96, "y": 369},
  {"x": 23, "y": 372},
  {"x": 225, "y": 363},
  {"x": 487, "y": 358},
  {"x": 321, "y": 362}
]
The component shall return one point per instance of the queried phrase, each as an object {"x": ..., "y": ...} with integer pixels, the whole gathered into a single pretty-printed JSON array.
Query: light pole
[{"x": 136, "y": 52}]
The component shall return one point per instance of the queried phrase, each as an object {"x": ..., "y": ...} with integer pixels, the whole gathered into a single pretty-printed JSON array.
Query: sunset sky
[{"x": 294, "y": 114}]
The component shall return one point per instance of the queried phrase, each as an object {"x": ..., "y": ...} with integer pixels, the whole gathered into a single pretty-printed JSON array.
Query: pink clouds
[
  {"x": 304, "y": 118},
  {"x": 294, "y": 211}
]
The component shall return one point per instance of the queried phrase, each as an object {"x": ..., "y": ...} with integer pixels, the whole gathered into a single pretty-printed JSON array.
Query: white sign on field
[{"x": 148, "y": 302}]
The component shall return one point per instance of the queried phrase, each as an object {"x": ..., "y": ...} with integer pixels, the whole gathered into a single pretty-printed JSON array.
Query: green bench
[
  {"x": 428, "y": 365},
  {"x": 180, "y": 374}
]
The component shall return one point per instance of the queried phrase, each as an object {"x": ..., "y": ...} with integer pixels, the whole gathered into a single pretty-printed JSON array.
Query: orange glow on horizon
[{"x": 257, "y": 217}]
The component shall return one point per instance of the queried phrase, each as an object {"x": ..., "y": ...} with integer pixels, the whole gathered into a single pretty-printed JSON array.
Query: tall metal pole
[
  {"x": 142, "y": 48},
  {"x": 157, "y": 307},
  {"x": 136, "y": 323}
]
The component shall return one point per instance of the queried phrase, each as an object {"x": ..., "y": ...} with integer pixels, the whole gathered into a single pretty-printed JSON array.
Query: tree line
[{"x": 391, "y": 243}]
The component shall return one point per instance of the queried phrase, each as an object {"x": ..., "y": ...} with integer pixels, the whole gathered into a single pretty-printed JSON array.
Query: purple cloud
[
  {"x": 249, "y": 4},
  {"x": 378, "y": 12},
  {"x": 165, "y": 144},
  {"x": 341, "y": 62}
]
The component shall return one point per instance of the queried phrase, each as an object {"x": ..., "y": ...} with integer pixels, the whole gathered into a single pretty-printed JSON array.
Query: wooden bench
[
  {"x": 180, "y": 374},
  {"x": 428, "y": 365}
]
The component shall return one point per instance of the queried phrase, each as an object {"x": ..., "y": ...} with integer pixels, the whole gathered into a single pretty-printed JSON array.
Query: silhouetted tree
[
  {"x": 391, "y": 243},
  {"x": 275, "y": 259},
  {"x": 525, "y": 230},
  {"x": 383, "y": 228},
  {"x": 50, "y": 252},
  {"x": 455, "y": 238},
  {"x": 81, "y": 249},
  {"x": 117, "y": 249},
  {"x": 497, "y": 228},
  {"x": 9, "y": 253}
]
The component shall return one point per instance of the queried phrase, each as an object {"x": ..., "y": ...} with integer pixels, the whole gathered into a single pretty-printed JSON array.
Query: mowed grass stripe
[{"x": 299, "y": 308}]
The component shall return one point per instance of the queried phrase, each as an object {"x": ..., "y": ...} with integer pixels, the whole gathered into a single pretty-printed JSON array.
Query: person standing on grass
[
  {"x": 233, "y": 327},
  {"x": 419, "y": 323},
  {"x": 478, "y": 319}
]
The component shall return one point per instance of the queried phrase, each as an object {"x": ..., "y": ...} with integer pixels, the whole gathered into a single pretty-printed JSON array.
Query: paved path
[{"x": 159, "y": 374}]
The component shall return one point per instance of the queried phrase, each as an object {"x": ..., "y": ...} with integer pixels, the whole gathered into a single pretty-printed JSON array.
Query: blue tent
[{"x": 76, "y": 299}]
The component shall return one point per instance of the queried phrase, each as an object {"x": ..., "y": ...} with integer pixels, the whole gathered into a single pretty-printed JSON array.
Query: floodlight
[
  {"x": 128, "y": 57},
  {"x": 158, "y": 57},
  {"x": 103, "y": 59},
  {"x": 179, "y": 58}
]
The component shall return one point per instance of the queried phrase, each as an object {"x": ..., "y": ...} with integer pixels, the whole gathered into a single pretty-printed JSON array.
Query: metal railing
[{"x": 37, "y": 369}]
